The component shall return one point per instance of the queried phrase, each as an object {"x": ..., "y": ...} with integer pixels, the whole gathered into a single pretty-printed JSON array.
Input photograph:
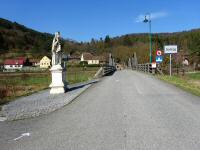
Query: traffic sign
[
  {"x": 158, "y": 52},
  {"x": 153, "y": 65},
  {"x": 159, "y": 59},
  {"x": 170, "y": 49}
]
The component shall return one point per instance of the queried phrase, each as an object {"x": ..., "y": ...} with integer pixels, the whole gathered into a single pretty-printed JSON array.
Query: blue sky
[{"x": 82, "y": 20}]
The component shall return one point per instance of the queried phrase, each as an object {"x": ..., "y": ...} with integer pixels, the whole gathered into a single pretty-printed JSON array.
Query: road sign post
[
  {"x": 170, "y": 70},
  {"x": 170, "y": 49}
]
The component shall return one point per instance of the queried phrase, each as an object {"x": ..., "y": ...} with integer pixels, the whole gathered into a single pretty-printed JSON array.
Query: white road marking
[
  {"x": 138, "y": 90},
  {"x": 117, "y": 80},
  {"x": 22, "y": 135},
  {"x": 2, "y": 119}
]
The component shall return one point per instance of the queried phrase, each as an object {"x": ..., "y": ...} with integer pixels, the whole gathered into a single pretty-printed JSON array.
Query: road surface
[{"x": 125, "y": 111}]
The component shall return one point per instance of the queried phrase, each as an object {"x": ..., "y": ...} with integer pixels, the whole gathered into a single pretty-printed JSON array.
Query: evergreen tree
[
  {"x": 107, "y": 41},
  {"x": 127, "y": 41}
]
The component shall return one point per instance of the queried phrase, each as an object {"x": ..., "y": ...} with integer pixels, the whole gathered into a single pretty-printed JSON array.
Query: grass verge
[
  {"x": 190, "y": 82},
  {"x": 22, "y": 84}
]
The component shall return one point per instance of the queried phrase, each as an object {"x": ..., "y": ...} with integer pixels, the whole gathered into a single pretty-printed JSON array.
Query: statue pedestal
[{"x": 58, "y": 81}]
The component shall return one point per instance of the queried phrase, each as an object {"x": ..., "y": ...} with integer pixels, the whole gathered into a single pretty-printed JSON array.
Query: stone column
[
  {"x": 110, "y": 60},
  {"x": 129, "y": 63}
]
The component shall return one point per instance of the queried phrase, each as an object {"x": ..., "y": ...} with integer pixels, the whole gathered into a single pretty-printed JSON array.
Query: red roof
[
  {"x": 21, "y": 58},
  {"x": 13, "y": 62}
]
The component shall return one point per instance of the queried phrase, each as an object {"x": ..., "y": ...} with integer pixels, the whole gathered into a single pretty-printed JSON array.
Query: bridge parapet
[
  {"x": 108, "y": 70},
  {"x": 147, "y": 68},
  {"x": 105, "y": 70}
]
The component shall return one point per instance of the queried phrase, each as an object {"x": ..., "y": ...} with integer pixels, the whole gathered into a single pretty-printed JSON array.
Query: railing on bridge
[
  {"x": 147, "y": 68},
  {"x": 105, "y": 70},
  {"x": 108, "y": 70}
]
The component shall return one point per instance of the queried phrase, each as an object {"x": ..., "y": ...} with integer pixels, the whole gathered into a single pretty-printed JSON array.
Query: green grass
[
  {"x": 78, "y": 77},
  {"x": 15, "y": 85},
  {"x": 194, "y": 76},
  {"x": 189, "y": 82}
]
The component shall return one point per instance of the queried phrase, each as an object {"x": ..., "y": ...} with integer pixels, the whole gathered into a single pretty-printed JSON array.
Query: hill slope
[
  {"x": 18, "y": 40},
  {"x": 124, "y": 46}
]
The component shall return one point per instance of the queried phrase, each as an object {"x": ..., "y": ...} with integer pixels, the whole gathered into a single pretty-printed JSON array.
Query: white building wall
[
  {"x": 82, "y": 59},
  {"x": 45, "y": 62},
  {"x": 13, "y": 66},
  {"x": 93, "y": 62}
]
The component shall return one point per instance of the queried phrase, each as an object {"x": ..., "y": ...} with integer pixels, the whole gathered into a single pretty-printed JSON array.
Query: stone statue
[
  {"x": 56, "y": 50},
  {"x": 58, "y": 73}
]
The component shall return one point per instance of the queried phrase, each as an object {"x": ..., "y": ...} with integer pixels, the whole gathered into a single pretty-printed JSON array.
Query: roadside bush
[
  {"x": 3, "y": 94},
  {"x": 83, "y": 63},
  {"x": 94, "y": 65}
]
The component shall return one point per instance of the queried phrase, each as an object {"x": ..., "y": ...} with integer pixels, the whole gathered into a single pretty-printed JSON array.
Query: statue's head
[{"x": 57, "y": 34}]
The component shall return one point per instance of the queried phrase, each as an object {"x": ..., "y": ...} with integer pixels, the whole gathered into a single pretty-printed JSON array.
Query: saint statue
[{"x": 56, "y": 50}]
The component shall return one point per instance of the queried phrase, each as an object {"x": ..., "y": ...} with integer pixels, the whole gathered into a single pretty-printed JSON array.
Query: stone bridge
[{"x": 126, "y": 111}]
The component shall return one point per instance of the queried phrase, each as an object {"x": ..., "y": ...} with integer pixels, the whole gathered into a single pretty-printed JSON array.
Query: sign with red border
[{"x": 158, "y": 52}]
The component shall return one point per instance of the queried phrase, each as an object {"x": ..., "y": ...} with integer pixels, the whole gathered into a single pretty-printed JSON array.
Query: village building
[
  {"x": 182, "y": 57},
  {"x": 35, "y": 62},
  {"x": 45, "y": 62},
  {"x": 74, "y": 59},
  {"x": 102, "y": 60},
  {"x": 90, "y": 59},
  {"x": 14, "y": 63}
]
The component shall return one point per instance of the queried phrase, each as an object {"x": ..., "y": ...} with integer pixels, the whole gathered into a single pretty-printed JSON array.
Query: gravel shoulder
[{"x": 41, "y": 103}]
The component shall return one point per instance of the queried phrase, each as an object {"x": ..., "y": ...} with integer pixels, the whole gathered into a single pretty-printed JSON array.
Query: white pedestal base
[
  {"x": 57, "y": 85},
  {"x": 57, "y": 90}
]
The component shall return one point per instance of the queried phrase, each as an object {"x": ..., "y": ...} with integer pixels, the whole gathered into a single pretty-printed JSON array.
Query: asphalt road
[{"x": 125, "y": 111}]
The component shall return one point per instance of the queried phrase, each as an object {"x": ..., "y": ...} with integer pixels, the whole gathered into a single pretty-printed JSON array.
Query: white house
[
  {"x": 90, "y": 59},
  {"x": 45, "y": 62},
  {"x": 13, "y": 63}
]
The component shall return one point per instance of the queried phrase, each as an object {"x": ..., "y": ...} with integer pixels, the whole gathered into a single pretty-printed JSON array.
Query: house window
[{"x": 11, "y": 66}]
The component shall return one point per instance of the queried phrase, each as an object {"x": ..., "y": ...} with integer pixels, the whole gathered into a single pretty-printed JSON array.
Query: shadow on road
[{"x": 80, "y": 85}]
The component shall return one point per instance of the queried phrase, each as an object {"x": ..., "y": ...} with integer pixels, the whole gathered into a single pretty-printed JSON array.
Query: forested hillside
[
  {"x": 123, "y": 47},
  {"x": 16, "y": 39}
]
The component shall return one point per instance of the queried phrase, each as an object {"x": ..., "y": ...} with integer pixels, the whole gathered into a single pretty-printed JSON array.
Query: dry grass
[
  {"x": 13, "y": 85},
  {"x": 189, "y": 82}
]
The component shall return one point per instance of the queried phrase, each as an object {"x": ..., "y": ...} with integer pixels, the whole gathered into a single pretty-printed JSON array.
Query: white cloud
[{"x": 154, "y": 15}]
